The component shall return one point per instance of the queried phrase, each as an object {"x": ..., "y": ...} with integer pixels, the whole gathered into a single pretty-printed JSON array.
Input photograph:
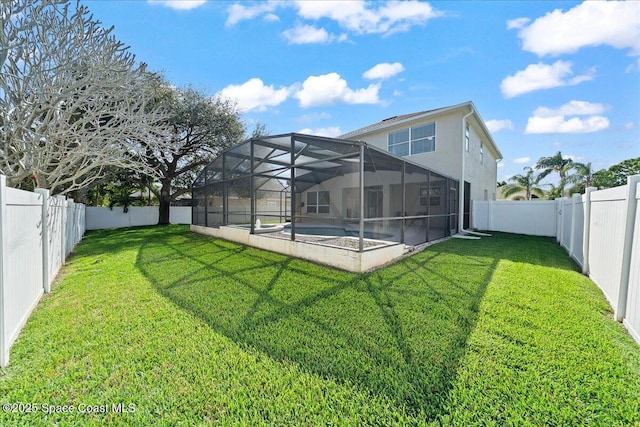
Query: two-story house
[
  {"x": 404, "y": 181},
  {"x": 453, "y": 141}
]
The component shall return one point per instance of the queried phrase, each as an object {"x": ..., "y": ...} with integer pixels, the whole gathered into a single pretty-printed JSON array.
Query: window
[
  {"x": 318, "y": 202},
  {"x": 481, "y": 153},
  {"x": 424, "y": 196},
  {"x": 414, "y": 140},
  {"x": 466, "y": 137},
  {"x": 399, "y": 142}
]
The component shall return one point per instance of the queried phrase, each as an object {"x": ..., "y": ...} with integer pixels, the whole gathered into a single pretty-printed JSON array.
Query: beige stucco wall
[
  {"x": 447, "y": 158},
  {"x": 481, "y": 175},
  {"x": 340, "y": 187}
]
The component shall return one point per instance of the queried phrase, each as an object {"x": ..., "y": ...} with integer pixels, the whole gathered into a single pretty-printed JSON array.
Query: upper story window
[
  {"x": 466, "y": 138},
  {"x": 413, "y": 140},
  {"x": 481, "y": 152}
]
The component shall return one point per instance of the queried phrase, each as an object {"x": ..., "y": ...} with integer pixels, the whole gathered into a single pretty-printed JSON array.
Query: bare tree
[{"x": 73, "y": 102}]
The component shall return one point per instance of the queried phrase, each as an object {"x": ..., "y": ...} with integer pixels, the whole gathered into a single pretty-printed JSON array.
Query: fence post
[
  {"x": 4, "y": 356},
  {"x": 573, "y": 224},
  {"x": 45, "y": 238},
  {"x": 561, "y": 213},
  {"x": 621, "y": 308},
  {"x": 490, "y": 215},
  {"x": 63, "y": 228},
  {"x": 586, "y": 231}
]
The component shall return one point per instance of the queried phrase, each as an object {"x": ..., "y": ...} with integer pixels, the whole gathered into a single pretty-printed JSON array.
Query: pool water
[{"x": 335, "y": 231}]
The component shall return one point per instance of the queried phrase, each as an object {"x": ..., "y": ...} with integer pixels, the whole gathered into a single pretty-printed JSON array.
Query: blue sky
[{"x": 546, "y": 76}]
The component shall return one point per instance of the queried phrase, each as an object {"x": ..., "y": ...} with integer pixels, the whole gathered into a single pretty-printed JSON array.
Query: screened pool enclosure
[{"x": 298, "y": 185}]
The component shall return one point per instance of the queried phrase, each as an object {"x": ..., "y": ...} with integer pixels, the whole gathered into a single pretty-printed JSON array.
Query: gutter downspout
[{"x": 461, "y": 229}]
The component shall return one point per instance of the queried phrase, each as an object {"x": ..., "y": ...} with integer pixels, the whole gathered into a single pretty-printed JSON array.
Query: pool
[{"x": 335, "y": 231}]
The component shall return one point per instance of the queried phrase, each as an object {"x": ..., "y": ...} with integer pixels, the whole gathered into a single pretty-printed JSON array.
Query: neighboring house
[{"x": 452, "y": 141}]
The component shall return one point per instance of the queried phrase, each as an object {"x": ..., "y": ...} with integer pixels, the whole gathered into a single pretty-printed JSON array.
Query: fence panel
[
  {"x": 36, "y": 231},
  {"x": 180, "y": 215},
  {"x": 480, "y": 214},
  {"x": 74, "y": 229},
  {"x": 22, "y": 264},
  {"x": 607, "y": 232},
  {"x": 577, "y": 230},
  {"x": 632, "y": 319},
  {"x": 138, "y": 216},
  {"x": 567, "y": 213},
  {"x": 56, "y": 223},
  {"x": 101, "y": 218},
  {"x": 536, "y": 218}
]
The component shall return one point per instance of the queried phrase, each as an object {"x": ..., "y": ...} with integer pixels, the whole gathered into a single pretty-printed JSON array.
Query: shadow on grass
[
  {"x": 113, "y": 241},
  {"x": 398, "y": 332}
]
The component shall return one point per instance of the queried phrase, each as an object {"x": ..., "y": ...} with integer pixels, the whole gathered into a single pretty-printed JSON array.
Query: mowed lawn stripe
[{"x": 193, "y": 330}]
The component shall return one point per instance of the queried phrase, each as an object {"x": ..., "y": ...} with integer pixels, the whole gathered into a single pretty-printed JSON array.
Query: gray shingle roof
[{"x": 387, "y": 122}]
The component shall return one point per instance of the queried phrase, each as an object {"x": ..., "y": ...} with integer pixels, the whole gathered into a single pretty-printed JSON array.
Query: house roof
[
  {"x": 395, "y": 120},
  {"x": 388, "y": 122}
]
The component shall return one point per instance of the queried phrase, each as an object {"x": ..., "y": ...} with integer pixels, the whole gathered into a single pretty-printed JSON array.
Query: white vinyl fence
[
  {"x": 600, "y": 230},
  {"x": 37, "y": 232},
  {"x": 100, "y": 218},
  {"x": 522, "y": 217}
]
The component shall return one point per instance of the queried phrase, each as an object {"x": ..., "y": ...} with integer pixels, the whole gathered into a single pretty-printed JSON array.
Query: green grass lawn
[{"x": 189, "y": 330}]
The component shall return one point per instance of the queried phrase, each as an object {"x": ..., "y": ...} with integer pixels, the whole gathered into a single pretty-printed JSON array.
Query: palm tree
[
  {"x": 527, "y": 183},
  {"x": 557, "y": 164},
  {"x": 582, "y": 178},
  {"x": 554, "y": 192}
]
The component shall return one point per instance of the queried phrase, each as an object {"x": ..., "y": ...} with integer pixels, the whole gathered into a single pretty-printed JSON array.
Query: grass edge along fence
[
  {"x": 37, "y": 233},
  {"x": 600, "y": 230}
]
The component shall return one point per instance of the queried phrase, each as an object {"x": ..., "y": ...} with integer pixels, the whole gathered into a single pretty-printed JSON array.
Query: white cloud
[
  {"x": 307, "y": 34},
  {"x": 500, "y": 164},
  {"x": 573, "y": 157},
  {"x": 271, "y": 17},
  {"x": 635, "y": 66},
  {"x": 628, "y": 125},
  {"x": 360, "y": 18},
  {"x": 498, "y": 125},
  {"x": 238, "y": 12},
  {"x": 364, "y": 18},
  {"x": 592, "y": 23},
  {"x": 330, "y": 88},
  {"x": 547, "y": 120},
  {"x": 517, "y": 23},
  {"x": 254, "y": 94},
  {"x": 331, "y": 131},
  {"x": 356, "y": 17},
  {"x": 309, "y": 118},
  {"x": 572, "y": 108},
  {"x": 542, "y": 76},
  {"x": 383, "y": 71},
  {"x": 521, "y": 160},
  {"x": 179, "y": 4}
]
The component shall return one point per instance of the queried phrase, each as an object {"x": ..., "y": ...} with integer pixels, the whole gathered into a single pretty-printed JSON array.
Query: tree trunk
[{"x": 165, "y": 203}]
